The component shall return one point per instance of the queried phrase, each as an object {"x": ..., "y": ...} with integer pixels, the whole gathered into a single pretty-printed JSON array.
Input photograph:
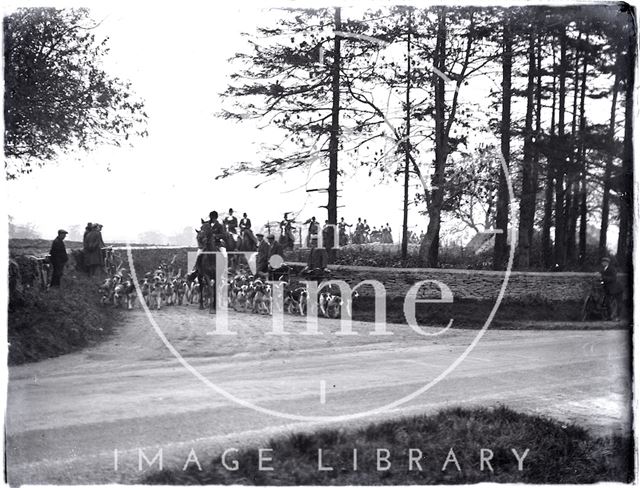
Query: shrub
[
  {"x": 558, "y": 453},
  {"x": 45, "y": 324}
]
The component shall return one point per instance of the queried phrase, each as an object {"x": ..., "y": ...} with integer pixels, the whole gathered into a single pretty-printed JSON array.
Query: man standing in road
[
  {"x": 612, "y": 289},
  {"x": 262, "y": 258},
  {"x": 59, "y": 257}
]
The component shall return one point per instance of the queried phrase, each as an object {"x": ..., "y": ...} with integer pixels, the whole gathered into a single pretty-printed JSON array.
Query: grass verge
[
  {"x": 557, "y": 453},
  {"x": 47, "y": 324}
]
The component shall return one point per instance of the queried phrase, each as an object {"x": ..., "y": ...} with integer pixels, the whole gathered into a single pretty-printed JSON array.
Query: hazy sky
[
  {"x": 176, "y": 59},
  {"x": 176, "y": 56}
]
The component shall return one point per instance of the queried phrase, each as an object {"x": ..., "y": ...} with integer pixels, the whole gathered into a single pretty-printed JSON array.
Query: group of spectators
[
  {"x": 90, "y": 258},
  {"x": 363, "y": 233}
]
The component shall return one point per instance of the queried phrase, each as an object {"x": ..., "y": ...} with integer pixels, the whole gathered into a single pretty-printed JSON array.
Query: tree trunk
[
  {"x": 538, "y": 131},
  {"x": 528, "y": 197},
  {"x": 626, "y": 196},
  {"x": 547, "y": 249},
  {"x": 332, "y": 204},
  {"x": 560, "y": 253},
  {"x": 572, "y": 196},
  {"x": 502, "y": 207},
  {"x": 582, "y": 237},
  {"x": 430, "y": 245},
  {"x": 407, "y": 147},
  {"x": 608, "y": 169}
]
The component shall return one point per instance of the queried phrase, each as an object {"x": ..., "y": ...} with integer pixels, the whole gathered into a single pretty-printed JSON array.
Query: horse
[
  {"x": 343, "y": 238},
  {"x": 247, "y": 243},
  {"x": 233, "y": 244},
  {"x": 206, "y": 265},
  {"x": 287, "y": 239}
]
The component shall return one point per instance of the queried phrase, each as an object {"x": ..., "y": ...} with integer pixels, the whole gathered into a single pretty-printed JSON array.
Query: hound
[
  {"x": 262, "y": 298},
  {"x": 296, "y": 300}
]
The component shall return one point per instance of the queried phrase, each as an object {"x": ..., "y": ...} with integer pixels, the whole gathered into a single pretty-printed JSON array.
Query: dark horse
[
  {"x": 206, "y": 266},
  {"x": 287, "y": 238},
  {"x": 244, "y": 243},
  {"x": 247, "y": 241}
]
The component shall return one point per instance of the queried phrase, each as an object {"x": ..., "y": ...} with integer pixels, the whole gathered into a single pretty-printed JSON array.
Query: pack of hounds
[{"x": 246, "y": 293}]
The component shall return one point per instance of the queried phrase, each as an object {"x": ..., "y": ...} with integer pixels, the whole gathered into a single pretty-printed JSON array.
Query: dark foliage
[
  {"x": 57, "y": 96},
  {"x": 46, "y": 324},
  {"x": 558, "y": 453}
]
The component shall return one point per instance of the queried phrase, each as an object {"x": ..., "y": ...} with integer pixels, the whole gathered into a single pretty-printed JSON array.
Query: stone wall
[
  {"x": 472, "y": 284},
  {"x": 465, "y": 284}
]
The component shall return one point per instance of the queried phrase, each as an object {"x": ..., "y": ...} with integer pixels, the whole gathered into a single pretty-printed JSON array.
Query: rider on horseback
[
  {"x": 286, "y": 232},
  {"x": 313, "y": 230},
  {"x": 358, "y": 237},
  {"x": 245, "y": 229},
  {"x": 217, "y": 231},
  {"x": 366, "y": 230},
  {"x": 231, "y": 222},
  {"x": 342, "y": 228}
]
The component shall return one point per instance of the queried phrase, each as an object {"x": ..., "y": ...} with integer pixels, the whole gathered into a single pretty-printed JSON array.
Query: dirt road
[{"x": 67, "y": 415}]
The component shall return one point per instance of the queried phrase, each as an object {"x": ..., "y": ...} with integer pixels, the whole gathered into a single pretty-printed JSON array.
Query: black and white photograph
[{"x": 319, "y": 243}]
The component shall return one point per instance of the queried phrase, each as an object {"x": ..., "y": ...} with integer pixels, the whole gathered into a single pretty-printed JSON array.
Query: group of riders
[
  {"x": 238, "y": 234},
  {"x": 234, "y": 234},
  {"x": 363, "y": 233}
]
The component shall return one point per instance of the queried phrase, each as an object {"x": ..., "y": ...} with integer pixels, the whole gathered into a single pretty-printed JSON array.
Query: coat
[
  {"x": 218, "y": 232},
  {"x": 610, "y": 281},
  {"x": 231, "y": 224},
  {"x": 92, "y": 247},
  {"x": 318, "y": 258},
  {"x": 262, "y": 258},
  {"x": 275, "y": 248},
  {"x": 58, "y": 253}
]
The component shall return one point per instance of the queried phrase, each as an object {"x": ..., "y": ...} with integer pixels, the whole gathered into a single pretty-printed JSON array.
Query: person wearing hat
[
  {"x": 92, "y": 249},
  {"x": 366, "y": 230},
  {"x": 245, "y": 222},
  {"x": 58, "y": 257},
  {"x": 317, "y": 262},
  {"x": 245, "y": 229},
  {"x": 612, "y": 289},
  {"x": 217, "y": 229},
  {"x": 231, "y": 222},
  {"x": 274, "y": 246},
  {"x": 87, "y": 229},
  {"x": 262, "y": 258},
  {"x": 275, "y": 249},
  {"x": 313, "y": 230}
]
